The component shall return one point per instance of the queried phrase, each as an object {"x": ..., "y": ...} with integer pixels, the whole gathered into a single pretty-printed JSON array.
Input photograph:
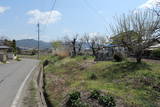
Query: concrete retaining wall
[{"x": 39, "y": 86}]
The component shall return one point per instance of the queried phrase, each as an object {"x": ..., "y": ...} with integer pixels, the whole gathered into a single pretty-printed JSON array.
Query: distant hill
[{"x": 31, "y": 43}]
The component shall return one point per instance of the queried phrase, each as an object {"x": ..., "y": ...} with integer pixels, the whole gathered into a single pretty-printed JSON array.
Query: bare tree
[
  {"x": 80, "y": 43},
  {"x": 137, "y": 31},
  {"x": 72, "y": 42},
  {"x": 156, "y": 8},
  {"x": 95, "y": 43}
]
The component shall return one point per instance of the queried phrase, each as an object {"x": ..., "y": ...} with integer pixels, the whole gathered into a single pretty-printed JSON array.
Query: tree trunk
[
  {"x": 74, "y": 47},
  {"x": 94, "y": 52},
  {"x": 74, "y": 51},
  {"x": 139, "y": 57}
]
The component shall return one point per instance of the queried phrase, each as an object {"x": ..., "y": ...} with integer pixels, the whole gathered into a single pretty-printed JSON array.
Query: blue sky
[{"x": 18, "y": 17}]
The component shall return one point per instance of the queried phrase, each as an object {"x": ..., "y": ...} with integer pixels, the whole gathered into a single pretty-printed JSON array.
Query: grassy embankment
[{"x": 130, "y": 83}]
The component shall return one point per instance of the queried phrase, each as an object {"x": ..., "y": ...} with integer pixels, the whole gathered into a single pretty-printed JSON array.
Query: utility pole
[{"x": 38, "y": 26}]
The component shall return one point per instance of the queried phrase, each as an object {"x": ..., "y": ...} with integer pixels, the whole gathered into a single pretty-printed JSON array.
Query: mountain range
[{"x": 31, "y": 43}]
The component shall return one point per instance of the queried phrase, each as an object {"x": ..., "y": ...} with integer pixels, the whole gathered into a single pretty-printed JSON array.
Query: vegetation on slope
[{"x": 130, "y": 83}]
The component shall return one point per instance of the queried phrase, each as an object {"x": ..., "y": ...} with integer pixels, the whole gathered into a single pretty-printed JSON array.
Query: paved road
[{"x": 11, "y": 77}]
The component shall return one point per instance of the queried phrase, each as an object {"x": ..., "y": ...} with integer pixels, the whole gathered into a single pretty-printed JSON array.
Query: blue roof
[
  {"x": 4, "y": 47},
  {"x": 110, "y": 45}
]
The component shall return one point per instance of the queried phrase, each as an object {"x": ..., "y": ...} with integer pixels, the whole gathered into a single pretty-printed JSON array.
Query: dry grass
[
  {"x": 132, "y": 84},
  {"x": 61, "y": 54}
]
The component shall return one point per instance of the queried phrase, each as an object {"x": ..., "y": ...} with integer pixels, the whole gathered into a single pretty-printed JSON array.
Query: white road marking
[{"x": 16, "y": 99}]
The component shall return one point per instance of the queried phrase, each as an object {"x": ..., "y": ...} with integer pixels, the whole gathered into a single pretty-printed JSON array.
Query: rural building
[
  {"x": 108, "y": 50},
  {"x": 6, "y": 53},
  {"x": 157, "y": 46},
  {"x": 3, "y": 53}
]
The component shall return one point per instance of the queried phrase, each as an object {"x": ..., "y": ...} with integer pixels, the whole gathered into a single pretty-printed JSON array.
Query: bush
[
  {"x": 74, "y": 100},
  {"x": 156, "y": 53},
  {"x": 95, "y": 94},
  {"x": 18, "y": 59},
  {"x": 33, "y": 52},
  {"x": 45, "y": 63},
  {"x": 75, "y": 95},
  {"x": 107, "y": 101},
  {"x": 118, "y": 57},
  {"x": 93, "y": 76},
  {"x": 85, "y": 57}
]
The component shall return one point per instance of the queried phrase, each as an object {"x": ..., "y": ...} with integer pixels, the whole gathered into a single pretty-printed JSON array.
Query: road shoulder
[{"x": 27, "y": 91}]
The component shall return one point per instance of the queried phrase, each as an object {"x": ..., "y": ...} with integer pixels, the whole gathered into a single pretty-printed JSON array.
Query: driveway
[{"x": 12, "y": 76}]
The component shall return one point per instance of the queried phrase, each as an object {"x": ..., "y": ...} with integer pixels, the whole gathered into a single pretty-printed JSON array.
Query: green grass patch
[
  {"x": 30, "y": 99},
  {"x": 127, "y": 81}
]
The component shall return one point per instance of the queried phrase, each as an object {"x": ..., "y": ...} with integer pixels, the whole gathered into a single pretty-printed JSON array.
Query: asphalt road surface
[{"x": 11, "y": 77}]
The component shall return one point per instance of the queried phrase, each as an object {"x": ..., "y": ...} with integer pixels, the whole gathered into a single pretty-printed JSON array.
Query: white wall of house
[
  {"x": 3, "y": 55},
  {"x": 10, "y": 55}
]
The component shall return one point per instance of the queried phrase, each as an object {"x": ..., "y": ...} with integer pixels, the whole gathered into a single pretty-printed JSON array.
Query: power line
[
  {"x": 94, "y": 10},
  {"x": 51, "y": 11},
  {"x": 52, "y": 8},
  {"x": 38, "y": 26},
  {"x": 47, "y": 19}
]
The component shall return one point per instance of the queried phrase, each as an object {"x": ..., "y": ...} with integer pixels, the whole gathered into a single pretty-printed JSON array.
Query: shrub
[
  {"x": 33, "y": 52},
  {"x": 156, "y": 53},
  {"x": 75, "y": 95},
  {"x": 74, "y": 100},
  {"x": 4, "y": 62},
  {"x": 18, "y": 59},
  {"x": 95, "y": 94},
  {"x": 157, "y": 87},
  {"x": 45, "y": 63},
  {"x": 118, "y": 57},
  {"x": 93, "y": 76},
  {"x": 107, "y": 101},
  {"x": 85, "y": 57}
]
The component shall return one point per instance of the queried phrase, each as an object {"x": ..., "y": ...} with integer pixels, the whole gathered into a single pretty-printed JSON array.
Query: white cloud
[
  {"x": 94, "y": 34},
  {"x": 3, "y": 9},
  {"x": 150, "y": 4},
  {"x": 48, "y": 17}
]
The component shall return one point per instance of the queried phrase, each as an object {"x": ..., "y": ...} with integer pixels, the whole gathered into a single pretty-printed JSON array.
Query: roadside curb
[{"x": 38, "y": 78}]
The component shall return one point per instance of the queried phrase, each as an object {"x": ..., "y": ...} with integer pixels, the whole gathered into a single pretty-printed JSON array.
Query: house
[
  {"x": 108, "y": 50},
  {"x": 148, "y": 53},
  {"x": 6, "y": 52},
  {"x": 3, "y": 53},
  {"x": 156, "y": 46}
]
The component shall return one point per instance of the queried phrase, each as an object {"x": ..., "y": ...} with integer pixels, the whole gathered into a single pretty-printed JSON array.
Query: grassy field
[{"x": 131, "y": 84}]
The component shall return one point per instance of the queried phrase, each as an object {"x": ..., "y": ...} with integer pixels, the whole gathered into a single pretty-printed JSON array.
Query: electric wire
[{"x": 95, "y": 11}]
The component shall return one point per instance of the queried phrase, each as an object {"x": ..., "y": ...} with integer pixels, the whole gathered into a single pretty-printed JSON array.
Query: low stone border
[{"x": 38, "y": 78}]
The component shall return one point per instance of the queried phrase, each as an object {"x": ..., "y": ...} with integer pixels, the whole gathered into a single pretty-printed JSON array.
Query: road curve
[{"x": 12, "y": 76}]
